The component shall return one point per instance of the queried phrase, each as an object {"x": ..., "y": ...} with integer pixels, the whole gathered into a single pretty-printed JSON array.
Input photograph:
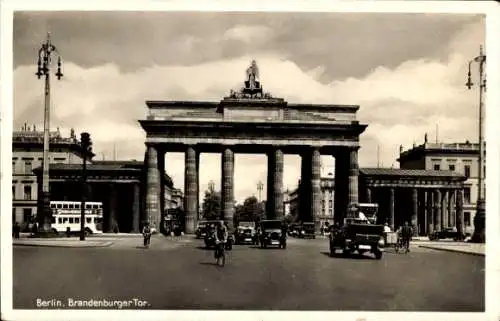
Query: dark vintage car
[
  {"x": 244, "y": 235},
  {"x": 447, "y": 233},
  {"x": 307, "y": 231},
  {"x": 270, "y": 234},
  {"x": 357, "y": 236},
  {"x": 201, "y": 229}
]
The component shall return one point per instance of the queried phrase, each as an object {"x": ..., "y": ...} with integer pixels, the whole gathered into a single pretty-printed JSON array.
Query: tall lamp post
[
  {"x": 86, "y": 145},
  {"x": 479, "y": 219},
  {"x": 45, "y": 54},
  {"x": 260, "y": 187}
]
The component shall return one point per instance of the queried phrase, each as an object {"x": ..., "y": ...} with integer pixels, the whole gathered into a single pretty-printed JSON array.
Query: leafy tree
[
  {"x": 251, "y": 210},
  {"x": 211, "y": 207}
]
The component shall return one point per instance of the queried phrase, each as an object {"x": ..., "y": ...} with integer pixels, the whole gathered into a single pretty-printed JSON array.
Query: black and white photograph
[{"x": 248, "y": 160}]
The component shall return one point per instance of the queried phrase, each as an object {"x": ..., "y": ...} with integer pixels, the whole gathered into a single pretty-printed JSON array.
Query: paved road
[{"x": 182, "y": 275}]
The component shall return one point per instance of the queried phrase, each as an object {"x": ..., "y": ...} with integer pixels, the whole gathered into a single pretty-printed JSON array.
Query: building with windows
[
  {"x": 27, "y": 154},
  {"x": 117, "y": 184},
  {"x": 461, "y": 158},
  {"x": 327, "y": 185}
]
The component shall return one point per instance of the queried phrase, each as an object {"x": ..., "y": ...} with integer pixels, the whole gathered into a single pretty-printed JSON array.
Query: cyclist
[
  {"x": 146, "y": 232},
  {"x": 221, "y": 236},
  {"x": 406, "y": 234}
]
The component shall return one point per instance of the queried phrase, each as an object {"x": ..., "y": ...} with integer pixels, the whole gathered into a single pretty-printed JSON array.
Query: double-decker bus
[{"x": 66, "y": 214}]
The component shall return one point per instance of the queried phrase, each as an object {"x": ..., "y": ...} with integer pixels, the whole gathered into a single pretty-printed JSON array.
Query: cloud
[
  {"x": 400, "y": 104},
  {"x": 248, "y": 34}
]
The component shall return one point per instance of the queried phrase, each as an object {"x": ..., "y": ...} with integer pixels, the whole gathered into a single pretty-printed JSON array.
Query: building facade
[
  {"x": 327, "y": 210},
  {"x": 461, "y": 158},
  {"x": 27, "y": 154},
  {"x": 119, "y": 185}
]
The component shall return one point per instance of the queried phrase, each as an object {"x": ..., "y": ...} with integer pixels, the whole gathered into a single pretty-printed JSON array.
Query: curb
[
  {"x": 106, "y": 244},
  {"x": 451, "y": 250}
]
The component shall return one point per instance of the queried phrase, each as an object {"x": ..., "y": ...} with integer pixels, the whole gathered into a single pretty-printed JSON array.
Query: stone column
[
  {"x": 451, "y": 206},
  {"x": 136, "y": 209},
  {"x": 161, "y": 172},
  {"x": 153, "y": 213},
  {"x": 430, "y": 212},
  {"x": 278, "y": 197},
  {"x": 444, "y": 211},
  {"x": 414, "y": 215},
  {"x": 353, "y": 177},
  {"x": 341, "y": 183},
  {"x": 437, "y": 207},
  {"x": 460, "y": 211},
  {"x": 368, "y": 195},
  {"x": 227, "y": 192},
  {"x": 316, "y": 187},
  {"x": 112, "y": 219},
  {"x": 197, "y": 186},
  {"x": 391, "y": 208},
  {"x": 190, "y": 190},
  {"x": 305, "y": 188}
]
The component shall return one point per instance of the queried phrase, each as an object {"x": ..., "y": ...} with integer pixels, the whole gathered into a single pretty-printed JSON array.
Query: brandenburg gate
[{"x": 252, "y": 121}]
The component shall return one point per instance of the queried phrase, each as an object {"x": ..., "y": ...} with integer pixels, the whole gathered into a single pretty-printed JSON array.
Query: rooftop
[
  {"x": 30, "y": 134},
  {"x": 397, "y": 172}
]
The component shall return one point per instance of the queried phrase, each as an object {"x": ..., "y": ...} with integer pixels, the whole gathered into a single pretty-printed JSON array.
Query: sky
[{"x": 405, "y": 71}]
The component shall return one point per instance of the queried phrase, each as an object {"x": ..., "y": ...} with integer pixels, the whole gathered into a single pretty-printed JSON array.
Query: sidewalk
[
  {"x": 60, "y": 242},
  {"x": 466, "y": 248}
]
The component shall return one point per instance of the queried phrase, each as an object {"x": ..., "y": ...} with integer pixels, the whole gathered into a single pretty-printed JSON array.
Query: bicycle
[
  {"x": 147, "y": 240},
  {"x": 402, "y": 246},
  {"x": 220, "y": 254}
]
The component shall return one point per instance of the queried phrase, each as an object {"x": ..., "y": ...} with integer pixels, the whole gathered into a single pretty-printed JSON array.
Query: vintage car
[
  {"x": 201, "y": 229},
  {"x": 270, "y": 234},
  {"x": 357, "y": 235},
  {"x": 244, "y": 235},
  {"x": 307, "y": 231}
]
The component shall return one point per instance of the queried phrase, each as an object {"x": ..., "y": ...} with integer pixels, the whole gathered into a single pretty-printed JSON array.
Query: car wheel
[{"x": 378, "y": 255}]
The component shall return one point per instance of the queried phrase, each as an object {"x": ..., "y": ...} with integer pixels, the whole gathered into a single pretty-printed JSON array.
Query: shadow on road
[
  {"x": 352, "y": 256},
  {"x": 204, "y": 248},
  {"x": 265, "y": 248}
]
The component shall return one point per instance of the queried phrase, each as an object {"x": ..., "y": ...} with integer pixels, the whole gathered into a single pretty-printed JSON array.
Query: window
[
  {"x": 71, "y": 220},
  {"x": 71, "y": 206},
  {"x": 65, "y": 205},
  {"x": 452, "y": 167},
  {"x": 467, "y": 195},
  {"x": 467, "y": 218},
  {"x": 323, "y": 206},
  {"x": 77, "y": 220},
  {"x": 467, "y": 171},
  {"x": 60, "y": 220},
  {"x": 27, "y": 192},
  {"x": 13, "y": 215},
  {"x": 13, "y": 192},
  {"x": 330, "y": 203},
  {"x": 27, "y": 214},
  {"x": 437, "y": 167},
  {"x": 13, "y": 167},
  {"x": 89, "y": 219},
  {"x": 65, "y": 220},
  {"x": 27, "y": 168}
]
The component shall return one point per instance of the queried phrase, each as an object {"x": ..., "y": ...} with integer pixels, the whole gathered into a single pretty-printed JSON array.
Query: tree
[
  {"x": 211, "y": 205},
  {"x": 251, "y": 210}
]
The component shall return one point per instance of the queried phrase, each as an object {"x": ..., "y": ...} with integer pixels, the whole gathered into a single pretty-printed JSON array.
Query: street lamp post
[
  {"x": 44, "y": 61},
  {"x": 86, "y": 145},
  {"x": 479, "y": 219},
  {"x": 260, "y": 187}
]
